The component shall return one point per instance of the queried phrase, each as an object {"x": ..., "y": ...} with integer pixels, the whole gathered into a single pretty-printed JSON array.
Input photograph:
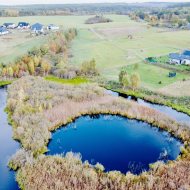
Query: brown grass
[
  {"x": 69, "y": 173},
  {"x": 178, "y": 89},
  {"x": 120, "y": 31}
]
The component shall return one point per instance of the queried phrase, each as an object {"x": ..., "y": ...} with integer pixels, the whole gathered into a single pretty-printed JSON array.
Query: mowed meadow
[{"x": 109, "y": 44}]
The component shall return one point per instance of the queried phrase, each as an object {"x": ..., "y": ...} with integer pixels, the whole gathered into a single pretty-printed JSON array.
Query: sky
[{"x": 18, "y": 2}]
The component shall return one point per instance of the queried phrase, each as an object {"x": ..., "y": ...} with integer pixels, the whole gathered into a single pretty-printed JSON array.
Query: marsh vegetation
[{"x": 37, "y": 107}]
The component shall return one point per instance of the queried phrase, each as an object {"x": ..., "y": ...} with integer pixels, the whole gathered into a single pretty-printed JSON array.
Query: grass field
[
  {"x": 152, "y": 76},
  {"x": 177, "y": 89},
  {"x": 75, "y": 81},
  {"x": 109, "y": 44},
  {"x": 4, "y": 83},
  {"x": 16, "y": 44}
]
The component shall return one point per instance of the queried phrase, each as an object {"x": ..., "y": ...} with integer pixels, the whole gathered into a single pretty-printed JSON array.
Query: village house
[
  {"x": 23, "y": 25},
  {"x": 37, "y": 28},
  {"x": 3, "y": 30},
  {"x": 9, "y": 25},
  {"x": 52, "y": 27},
  {"x": 180, "y": 59}
]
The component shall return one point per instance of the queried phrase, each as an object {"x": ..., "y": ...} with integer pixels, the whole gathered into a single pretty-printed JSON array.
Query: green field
[
  {"x": 75, "y": 81},
  {"x": 152, "y": 76},
  {"x": 16, "y": 44},
  {"x": 109, "y": 45}
]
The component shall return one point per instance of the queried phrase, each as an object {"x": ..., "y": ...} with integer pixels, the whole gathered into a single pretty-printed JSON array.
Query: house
[
  {"x": 52, "y": 27},
  {"x": 23, "y": 25},
  {"x": 180, "y": 59},
  {"x": 3, "y": 30},
  {"x": 37, "y": 28},
  {"x": 9, "y": 25}
]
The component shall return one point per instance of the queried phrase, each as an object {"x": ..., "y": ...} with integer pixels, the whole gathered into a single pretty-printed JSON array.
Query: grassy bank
[
  {"x": 4, "y": 83},
  {"x": 181, "y": 104},
  {"x": 74, "y": 81}
]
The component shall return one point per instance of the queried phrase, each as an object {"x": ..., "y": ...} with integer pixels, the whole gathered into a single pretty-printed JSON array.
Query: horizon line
[{"x": 94, "y": 3}]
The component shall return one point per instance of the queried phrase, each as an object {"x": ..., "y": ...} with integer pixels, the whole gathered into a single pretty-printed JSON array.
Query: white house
[
  {"x": 52, "y": 27},
  {"x": 23, "y": 25},
  {"x": 3, "y": 30},
  {"x": 186, "y": 61},
  {"x": 180, "y": 59},
  {"x": 9, "y": 25}
]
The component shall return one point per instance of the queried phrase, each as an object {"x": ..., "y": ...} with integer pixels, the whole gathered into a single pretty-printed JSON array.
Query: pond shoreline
[
  {"x": 71, "y": 120},
  {"x": 9, "y": 146},
  {"x": 141, "y": 96},
  {"x": 105, "y": 129}
]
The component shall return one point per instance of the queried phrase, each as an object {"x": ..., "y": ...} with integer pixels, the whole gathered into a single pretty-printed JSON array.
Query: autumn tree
[
  {"x": 125, "y": 81},
  {"x": 31, "y": 67},
  {"x": 88, "y": 68},
  {"x": 36, "y": 61},
  {"x": 45, "y": 66},
  {"x": 121, "y": 74},
  {"x": 135, "y": 80},
  {"x": 4, "y": 72},
  {"x": 60, "y": 64},
  {"x": 10, "y": 71}
]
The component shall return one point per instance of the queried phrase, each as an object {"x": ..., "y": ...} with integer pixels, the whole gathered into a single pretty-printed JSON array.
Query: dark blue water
[
  {"x": 7, "y": 147},
  {"x": 178, "y": 116},
  {"x": 116, "y": 142}
]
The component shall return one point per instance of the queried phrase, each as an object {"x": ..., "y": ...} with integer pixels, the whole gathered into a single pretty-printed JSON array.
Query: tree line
[
  {"x": 170, "y": 17},
  {"x": 50, "y": 58}
]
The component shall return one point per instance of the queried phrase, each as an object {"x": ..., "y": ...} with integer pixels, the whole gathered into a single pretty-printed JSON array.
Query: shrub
[{"x": 88, "y": 68}]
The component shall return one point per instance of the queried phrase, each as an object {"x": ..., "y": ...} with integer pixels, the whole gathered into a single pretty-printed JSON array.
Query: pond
[
  {"x": 116, "y": 142},
  {"x": 7, "y": 147},
  {"x": 178, "y": 116}
]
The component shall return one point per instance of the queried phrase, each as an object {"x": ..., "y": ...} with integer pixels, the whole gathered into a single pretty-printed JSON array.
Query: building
[
  {"x": 9, "y": 25},
  {"x": 180, "y": 59},
  {"x": 37, "y": 28},
  {"x": 23, "y": 25},
  {"x": 52, "y": 27},
  {"x": 3, "y": 30}
]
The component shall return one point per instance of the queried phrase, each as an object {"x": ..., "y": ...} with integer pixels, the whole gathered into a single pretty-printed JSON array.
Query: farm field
[
  {"x": 109, "y": 44},
  {"x": 113, "y": 50}
]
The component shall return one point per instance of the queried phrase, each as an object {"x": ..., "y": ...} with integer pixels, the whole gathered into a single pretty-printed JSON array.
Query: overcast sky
[{"x": 16, "y": 2}]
